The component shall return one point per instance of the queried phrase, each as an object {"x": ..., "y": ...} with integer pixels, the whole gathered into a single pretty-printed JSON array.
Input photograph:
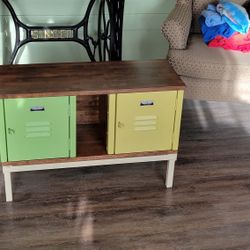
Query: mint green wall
[{"x": 142, "y": 38}]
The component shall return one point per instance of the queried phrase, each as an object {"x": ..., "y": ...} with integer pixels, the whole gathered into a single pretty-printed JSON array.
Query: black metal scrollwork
[{"x": 107, "y": 45}]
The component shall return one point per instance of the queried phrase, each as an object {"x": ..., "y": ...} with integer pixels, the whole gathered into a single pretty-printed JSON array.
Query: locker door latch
[
  {"x": 11, "y": 131},
  {"x": 37, "y": 109},
  {"x": 120, "y": 125},
  {"x": 147, "y": 103}
]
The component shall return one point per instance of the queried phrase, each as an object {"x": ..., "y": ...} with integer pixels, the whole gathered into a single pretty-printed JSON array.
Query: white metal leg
[
  {"x": 7, "y": 170},
  {"x": 8, "y": 185},
  {"x": 170, "y": 173}
]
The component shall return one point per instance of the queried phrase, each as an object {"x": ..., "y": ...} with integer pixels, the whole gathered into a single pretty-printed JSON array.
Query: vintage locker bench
[{"x": 70, "y": 115}]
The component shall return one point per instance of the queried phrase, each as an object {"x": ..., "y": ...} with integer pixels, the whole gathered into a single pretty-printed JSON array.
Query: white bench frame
[{"x": 170, "y": 158}]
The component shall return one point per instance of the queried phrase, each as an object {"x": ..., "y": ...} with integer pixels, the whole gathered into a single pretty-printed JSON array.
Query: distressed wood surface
[
  {"x": 127, "y": 207},
  {"x": 87, "y": 109},
  {"x": 87, "y": 78}
]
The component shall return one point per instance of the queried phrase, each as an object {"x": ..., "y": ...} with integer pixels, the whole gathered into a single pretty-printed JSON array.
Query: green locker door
[
  {"x": 37, "y": 128},
  {"x": 145, "y": 121}
]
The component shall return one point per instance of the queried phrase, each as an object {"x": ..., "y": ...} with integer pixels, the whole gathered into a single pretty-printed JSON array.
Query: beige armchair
[{"x": 209, "y": 73}]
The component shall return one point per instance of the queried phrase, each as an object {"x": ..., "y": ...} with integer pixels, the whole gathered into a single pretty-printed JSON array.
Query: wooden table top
[{"x": 87, "y": 78}]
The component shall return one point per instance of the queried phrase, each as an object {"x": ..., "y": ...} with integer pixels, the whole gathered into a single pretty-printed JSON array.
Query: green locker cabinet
[
  {"x": 39, "y": 128},
  {"x": 3, "y": 148},
  {"x": 143, "y": 121}
]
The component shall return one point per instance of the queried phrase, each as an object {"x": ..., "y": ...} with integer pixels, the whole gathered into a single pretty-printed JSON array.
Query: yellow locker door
[{"x": 145, "y": 121}]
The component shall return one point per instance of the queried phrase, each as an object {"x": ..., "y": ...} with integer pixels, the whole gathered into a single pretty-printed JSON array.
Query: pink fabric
[{"x": 239, "y": 42}]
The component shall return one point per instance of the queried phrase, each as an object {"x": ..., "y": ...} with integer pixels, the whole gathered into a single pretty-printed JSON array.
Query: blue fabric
[
  {"x": 234, "y": 15},
  {"x": 209, "y": 33},
  {"x": 211, "y": 7},
  {"x": 212, "y": 17}
]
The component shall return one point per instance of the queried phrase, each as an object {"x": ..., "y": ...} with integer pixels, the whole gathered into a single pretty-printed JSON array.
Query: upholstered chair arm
[{"x": 177, "y": 25}]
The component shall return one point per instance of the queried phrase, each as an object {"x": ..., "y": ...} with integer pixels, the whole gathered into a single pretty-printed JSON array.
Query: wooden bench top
[{"x": 87, "y": 78}]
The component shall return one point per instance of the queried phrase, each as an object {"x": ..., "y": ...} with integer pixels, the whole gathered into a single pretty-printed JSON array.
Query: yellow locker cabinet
[{"x": 148, "y": 121}]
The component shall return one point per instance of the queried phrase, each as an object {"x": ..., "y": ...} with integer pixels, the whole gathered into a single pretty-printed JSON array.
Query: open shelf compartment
[{"x": 91, "y": 125}]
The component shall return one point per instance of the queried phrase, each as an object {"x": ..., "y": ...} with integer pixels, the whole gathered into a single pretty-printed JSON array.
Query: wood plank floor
[{"x": 127, "y": 207}]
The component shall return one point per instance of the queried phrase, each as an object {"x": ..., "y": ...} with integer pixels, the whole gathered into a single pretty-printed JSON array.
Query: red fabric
[{"x": 239, "y": 42}]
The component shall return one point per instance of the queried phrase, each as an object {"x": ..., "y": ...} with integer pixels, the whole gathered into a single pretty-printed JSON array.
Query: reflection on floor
[{"x": 127, "y": 207}]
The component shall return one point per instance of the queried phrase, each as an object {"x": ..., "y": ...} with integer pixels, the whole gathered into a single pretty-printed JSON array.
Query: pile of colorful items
[{"x": 226, "y": 25}]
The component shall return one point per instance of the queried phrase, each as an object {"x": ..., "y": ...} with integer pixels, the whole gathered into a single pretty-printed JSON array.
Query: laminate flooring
[{"x": 128, "y": 207}]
